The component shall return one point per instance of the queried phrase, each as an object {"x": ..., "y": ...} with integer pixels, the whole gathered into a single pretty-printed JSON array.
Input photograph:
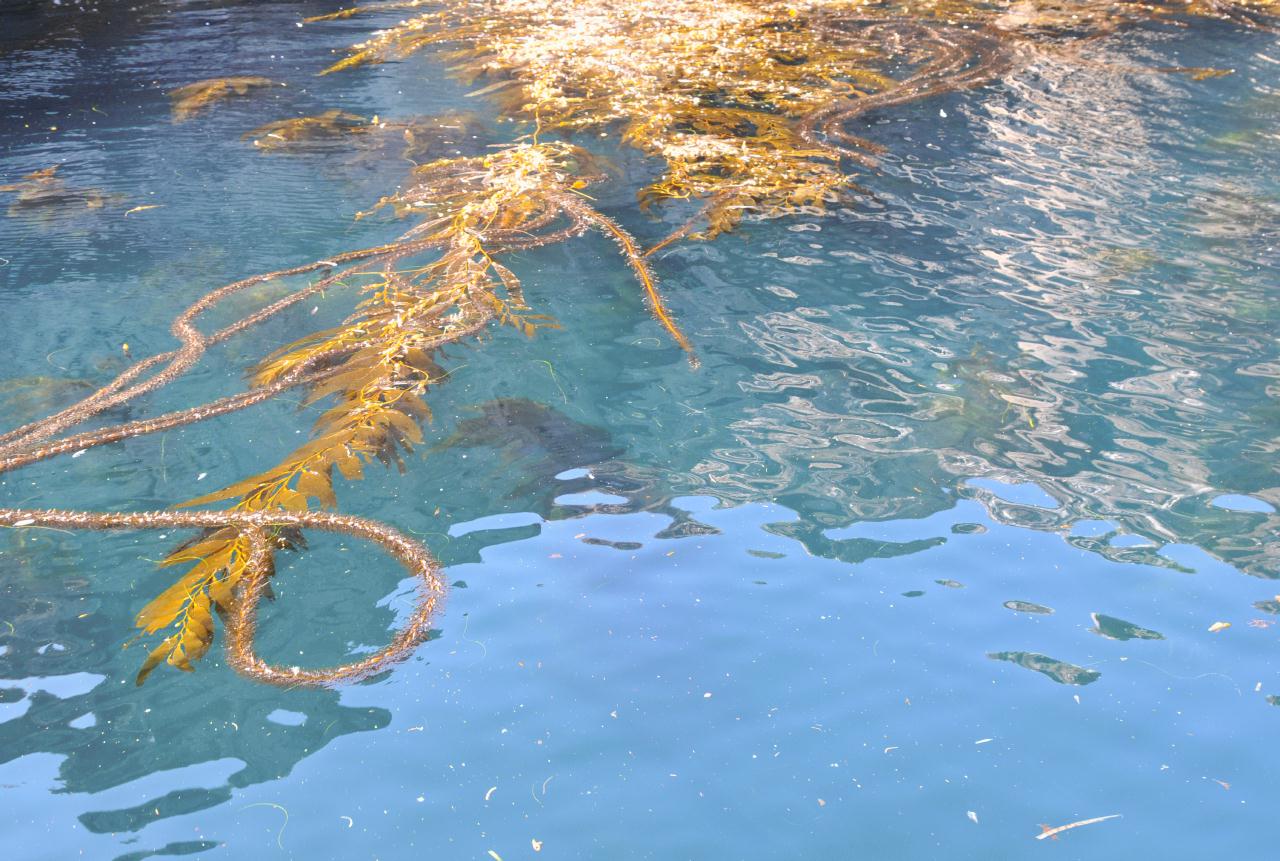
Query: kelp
[
  {"x": 376, "y": 367},
  {"x": 1062, "y": 672},
  {"x": 746, "y": 103},
  {"x": 416, "y": 139},
  {"x": 308, "y": 132},
  {"x": 197, "y": 97},
  {"x": 746, "y": 106},
  {"x": 43, "y": 190},
  {"x": 381, "y": 362}
]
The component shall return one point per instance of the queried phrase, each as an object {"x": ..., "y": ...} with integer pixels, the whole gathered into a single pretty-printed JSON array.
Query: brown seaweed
[
  {"x": 749, "y": 108},
  {"x": 195, "y": 98}
]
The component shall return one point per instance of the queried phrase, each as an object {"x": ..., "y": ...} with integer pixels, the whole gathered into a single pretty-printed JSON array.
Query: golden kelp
[
  {"x": 194, "y": 98},
  {"x": 306, "y": 132},
  {"x": 380, "y": 363},
  {"x": 377, "y": 367},
  {"x": 745, "y": 105},
  {"x": 745, "y": 102}
]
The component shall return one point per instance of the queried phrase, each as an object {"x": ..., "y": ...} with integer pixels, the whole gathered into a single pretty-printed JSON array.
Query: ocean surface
[{"x": 926, "y": 554}]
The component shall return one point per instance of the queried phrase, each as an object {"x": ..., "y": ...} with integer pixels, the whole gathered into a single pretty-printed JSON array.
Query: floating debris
[{"x": 1054, "y": 832}]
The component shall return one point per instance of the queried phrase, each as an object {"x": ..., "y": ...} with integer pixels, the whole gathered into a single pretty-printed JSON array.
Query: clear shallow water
[{"x": 1040, "y": 367}]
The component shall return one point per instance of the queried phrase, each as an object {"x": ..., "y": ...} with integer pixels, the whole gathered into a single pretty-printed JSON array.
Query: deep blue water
[{"x": 789, "y": 605}]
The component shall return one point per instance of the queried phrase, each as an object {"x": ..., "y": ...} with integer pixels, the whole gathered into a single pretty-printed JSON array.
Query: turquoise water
[{"x": 925, "y": 554}]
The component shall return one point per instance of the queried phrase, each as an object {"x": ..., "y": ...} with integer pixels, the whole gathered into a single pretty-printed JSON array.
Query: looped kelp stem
[
  {"x": 241, "y": 621},
  {"x": 744, "y": 104},
  {"x": 377, "y": 365},
  {"x": 195, "y": 634}
]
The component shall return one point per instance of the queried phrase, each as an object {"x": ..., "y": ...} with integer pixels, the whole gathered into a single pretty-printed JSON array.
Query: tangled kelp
[
  {"x": 745, "y": 103},
  {"x": 747, "y": 108}
]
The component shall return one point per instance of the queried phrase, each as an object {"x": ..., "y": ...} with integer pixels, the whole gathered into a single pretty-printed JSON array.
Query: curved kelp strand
[
  {"x": 377, "y": 367},
  {"x": 747, "y": 109}
]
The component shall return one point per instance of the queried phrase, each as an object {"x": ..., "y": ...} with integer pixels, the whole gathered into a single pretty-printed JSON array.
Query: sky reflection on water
[{"x": 940, "y": 526}]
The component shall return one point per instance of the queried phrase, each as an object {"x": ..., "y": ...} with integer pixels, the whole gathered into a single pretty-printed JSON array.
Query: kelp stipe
[
  {"x": 747, "y": 107},
  {"x": 377, "y": 366}
]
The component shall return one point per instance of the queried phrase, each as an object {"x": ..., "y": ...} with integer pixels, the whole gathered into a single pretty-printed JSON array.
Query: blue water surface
[{"x": 926, "y": 553}]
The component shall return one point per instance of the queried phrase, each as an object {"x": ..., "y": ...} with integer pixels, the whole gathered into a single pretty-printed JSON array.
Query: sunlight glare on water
[{"x": 925, "y": 554}]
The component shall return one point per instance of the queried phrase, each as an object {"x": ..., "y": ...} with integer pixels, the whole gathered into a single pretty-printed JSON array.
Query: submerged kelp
[
  {"x": 745, "y": 107},
  {"x": 308, "y": 132},
  {"x": 43, "y": 191},
  {"x": 195, "y": 98},
  {"x": 417, "y": 140}
]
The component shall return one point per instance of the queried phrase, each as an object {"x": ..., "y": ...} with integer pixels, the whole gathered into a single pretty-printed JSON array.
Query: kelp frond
[
  {"x": 43, "y": 189},
  {"x": 743, "y": 101},
  {"x": 194, "y": 98},
  {"x": 380, "y": 363},
  {"x": 301, "y": 132},
  {"x": 745, "y": 105}
]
